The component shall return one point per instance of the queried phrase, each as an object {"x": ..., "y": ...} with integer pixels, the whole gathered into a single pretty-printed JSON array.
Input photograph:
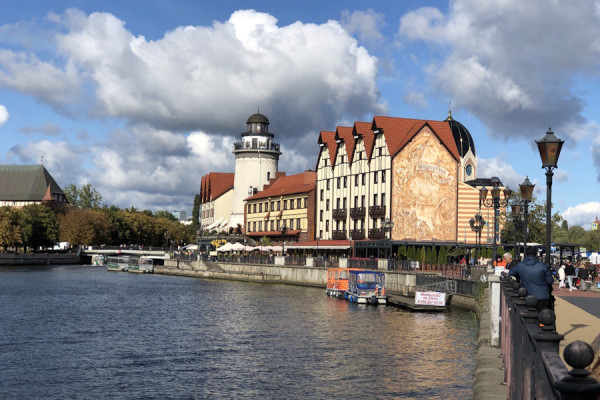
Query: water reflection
[{"x": 84, "y": 332}]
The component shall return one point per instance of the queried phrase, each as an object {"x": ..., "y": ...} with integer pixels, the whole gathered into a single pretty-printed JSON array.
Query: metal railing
[
  {"x": 255, "y": 146},
  {"x": 357, "y": 212},
  {"x": 377, "y": 211},
  {"x": 529, "y": 342},
  {"x": 340, "y": 213}
]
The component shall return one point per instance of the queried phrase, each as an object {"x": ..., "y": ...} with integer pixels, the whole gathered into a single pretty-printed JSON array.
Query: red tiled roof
[
  {"x": 399, "y": 131},
  {"x": 328, "y": 139},
  {"x": 292, "y": 184},
  {"x": 345, "y": 133},
  {"x": 364, "y": 129},
  {"x": 214, "y": 184}
]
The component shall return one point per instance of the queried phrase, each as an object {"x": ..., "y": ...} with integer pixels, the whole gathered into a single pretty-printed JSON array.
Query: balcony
[
  {"x": 376, "y": 211},
  {"x": 358, "y": 212},
  {"x": 340, "y": 213},
  {"x": 377, "y": 233},
  {"x": 357, "y": 234},
  {"x": 338, "y": 235},
  {"x": 270, "y": 146}
]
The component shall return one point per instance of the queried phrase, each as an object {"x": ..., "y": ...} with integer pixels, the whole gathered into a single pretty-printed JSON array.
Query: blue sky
[{"x": 141, "y": 98}]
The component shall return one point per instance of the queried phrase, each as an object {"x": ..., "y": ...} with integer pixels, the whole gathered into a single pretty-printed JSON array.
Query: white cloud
[
  {"x": 365, "y": 24},
  {"x": 4, "y": 115},
  {"x": 510, "y": 70},
  {"x": 47, "y": 128},
  {"x": 582, "y": 214},
  {"x": 61, "y": 158}
]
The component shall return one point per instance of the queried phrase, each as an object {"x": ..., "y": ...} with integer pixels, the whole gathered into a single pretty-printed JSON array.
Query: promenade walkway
[{"x": 578, "y": 318}]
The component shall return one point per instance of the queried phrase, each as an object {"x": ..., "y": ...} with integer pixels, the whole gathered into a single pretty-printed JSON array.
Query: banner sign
[{"x": 437, "y": 299}]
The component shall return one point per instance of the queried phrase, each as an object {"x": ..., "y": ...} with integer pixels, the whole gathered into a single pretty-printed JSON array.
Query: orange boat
[{"x": 337, "y": 281}]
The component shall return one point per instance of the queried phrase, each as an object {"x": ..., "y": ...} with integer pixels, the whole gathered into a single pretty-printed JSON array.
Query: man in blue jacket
[{"x": 535, "y": 276}]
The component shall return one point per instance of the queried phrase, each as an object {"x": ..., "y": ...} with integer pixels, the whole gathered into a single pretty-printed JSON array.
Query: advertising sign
[{"x": 430, "y": 299}]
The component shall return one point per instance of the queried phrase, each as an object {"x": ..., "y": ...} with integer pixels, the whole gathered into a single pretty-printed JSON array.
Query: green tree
[
  {"x": 38, "y": 225},
  {"x": 165, "y": 214},
  {"x": 89, "y": 227},
  {"x": 196, "y": 213},
  {"x": 85, "y": 197},
  {"x": 422, "y": 255},
  {"x": 10, "y": 232},
  {"x": 443, "y": 256}
]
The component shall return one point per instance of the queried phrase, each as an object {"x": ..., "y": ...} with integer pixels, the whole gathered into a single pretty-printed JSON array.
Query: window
[
  {"x": 305, "y": 202},
  {"x": 249, "y": 208},
  {"x": 327, "y": 205},
  {"x": 355, "y": 201},
  {"x": 272, "y": 225},
  {"x": 344, "y": 203},
  {"x": 383, "y": 176},
  {"x": 278, "y": 205},
  {"x": 327, "y": 226},
  {"x": 321, "y": 215},
  {"x": 259, "y": 207},
  {"x": 362, "y": 200},
  {"x": 328, "y": 183},
  {"x": 260, "y": 226},
  {"x": 278, "y": 225},
  {"x": 342, "y": 159},
  {"x": 254, "y": 207},
  {"x": 266, "y": 206},
  {"x": 381, "y": 151},
  {"x": 383, "y": 199},
  {"x": 337, "y": 203},
  {"x": 320, "y": 234},
  {"x": 291, "y": 204},
  {"x": 299, "y": 224},
  {"x": 337, "y": 225},
  {"x": 254, "y": 226},
  {"x": 360, "y": 155},
  {"x": 285, "y": 204},
  {"x": 364, "y": 179},
  {"x": 268, "y": 176},
  {"x": 375, "y": 199},
  {"x": 321, "y": 194},
  {"x": 249, "y": 226},
  {"x": 356, "y": 180},
  {"x": 375, "y": 176},
  {"x": 272, "y": 206},
  {"x": 298, "y": 203},
  {"x": 339, "y": 181},
  {"x": 345, "y": 181}
]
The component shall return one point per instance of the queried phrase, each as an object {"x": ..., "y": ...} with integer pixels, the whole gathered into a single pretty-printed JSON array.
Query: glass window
[
  {"x": 254, "y": 226},
  {"x": 321, "y": 215},
  {"x": 328, "y": 183},
  {"x": 278, "y": 205},
  {"x": 254, "y": 207},
  {"x": 375, "y": 176},
  {"x": 260, "y": 226},
  {"x": 305, "y": 202},
  {"x": 327, "y": 205},
  {"x": 381, "y": 151},
  {"x": 249, "y": 208},
  {"x": 291, "y": 204},
  {"x": 249, "y": 226},
  {"x": 362, "y": 200},
  {"x": 355, "y": 201},
  {"x": 299, "y": 224},
  {"x": 383, "y": 176},
  {"x": 375, "y": 199},
  {"x": 285, "y": 204},
  {"x": 321, "y": 194},
  {"x": 356, "y": 180},
  {"x": 364, "y": 179},
  {"x": 327, "y": 226},
  {"x": 337, "y": 203},
  {"x": 260, "y": 207},
  {"x": 272, "y": 225},
  {"x": 298, "y": 203},
  {"x": 344, "y": 203},
  {"x": 383, "y": 199},
  {"x": 339, "y": 181},
  {"x": 345, "y": 181}
]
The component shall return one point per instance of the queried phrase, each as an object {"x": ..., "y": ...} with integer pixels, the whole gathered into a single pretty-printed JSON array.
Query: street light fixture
[
  {"x": 526, "y": 189},
  {"x": 283, "y": 230},
  {"x": 549, "y": 147},
  {"x": 388, "y": 225},
  {"x": 494, "y": 202},
  {"x": 477, "y": 223},
  {"x": 351, "y": 248}
]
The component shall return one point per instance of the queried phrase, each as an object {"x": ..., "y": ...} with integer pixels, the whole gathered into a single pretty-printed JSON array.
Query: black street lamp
[
  {"x": 199, "y": 239},
  {"x": 477, "y": 223},
  {"x": 526, "y": 189},
  {"x": 351, "y": 248},
  {"x": 388, "y": 225},
  {"x": 549, "y": 147},
  {"x": 516, "y": 210},
  {"x": 167, "y": 237},
  {"x": 494, "y": 202},
  {"x": 283, "y": 230}
]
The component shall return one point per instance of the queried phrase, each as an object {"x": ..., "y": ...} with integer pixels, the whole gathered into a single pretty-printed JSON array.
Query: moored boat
[
  {"x": 366, "y": 287},
  {"x": 337, "y": 281},
  {"x": 98, "y": 259},
  {"x": 117, "y": 263},
  {"x": 146, "y": 265},
  {"x": 133, "y": 264}
]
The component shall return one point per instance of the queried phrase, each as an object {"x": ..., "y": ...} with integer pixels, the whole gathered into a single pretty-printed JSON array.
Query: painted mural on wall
[{"x": 425, "y": 191}]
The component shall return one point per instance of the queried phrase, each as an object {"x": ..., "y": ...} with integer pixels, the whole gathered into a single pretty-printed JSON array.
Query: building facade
[
  {"x": 216, "y": 196},
  {"x": 284, "y": 210},
  {"x": 418, "y": 174},
  {"x": 22, "y": 185}
]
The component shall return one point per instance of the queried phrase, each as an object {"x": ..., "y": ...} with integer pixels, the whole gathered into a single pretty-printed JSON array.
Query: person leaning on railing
[{"x": 535, "y": 276}]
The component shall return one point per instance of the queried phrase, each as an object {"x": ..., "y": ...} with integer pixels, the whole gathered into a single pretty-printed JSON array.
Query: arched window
[{"x": 268, "y": 176}]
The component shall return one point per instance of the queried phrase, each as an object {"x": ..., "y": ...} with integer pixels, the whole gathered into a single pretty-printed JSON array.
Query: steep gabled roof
[
  {"x": 364, "y": 130},
  {"x": 215, "y": 184},
  {"x": 292, "y": 184},
  {"x": 399, "y": 131},
  {"x": 26, "y": 183},
  {"x": 328, "y": 139},
  {"x": 345, "y": 133}
]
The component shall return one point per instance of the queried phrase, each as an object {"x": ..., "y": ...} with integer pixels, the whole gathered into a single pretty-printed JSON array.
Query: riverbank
[
  {"x": 19, "y": 260},
  {"x": 401, "y": 284}
]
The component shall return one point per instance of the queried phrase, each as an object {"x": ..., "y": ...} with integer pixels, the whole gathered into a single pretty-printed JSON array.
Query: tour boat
[
  {"x": 337, "y": 281},
  {"x": 117, "y": 263},
  {"x": 366, "y": 287},
  {"x": 146, "y": 265},
  {"x": 133, "y": 265}
]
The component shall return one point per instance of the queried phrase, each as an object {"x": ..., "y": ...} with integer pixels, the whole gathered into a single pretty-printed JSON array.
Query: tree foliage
[
  {"x": 196, "y": 212},
  {"x": 85, "y": 197}
]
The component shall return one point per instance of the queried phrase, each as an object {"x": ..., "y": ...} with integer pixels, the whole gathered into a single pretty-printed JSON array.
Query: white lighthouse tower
[{"x": 256, "y": 161}]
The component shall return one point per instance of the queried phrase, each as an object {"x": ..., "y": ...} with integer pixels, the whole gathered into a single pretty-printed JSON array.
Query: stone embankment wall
[
  {"x": 401, "y": 283},
  {"x": 9, "y": 259}
]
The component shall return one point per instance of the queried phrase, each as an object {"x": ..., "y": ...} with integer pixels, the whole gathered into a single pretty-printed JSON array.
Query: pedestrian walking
[
  {"x": 583, "y": 276},
  {"x": 535, "y": 276},
  {"x": 570, "y": 271},
  {"x": 561, "y": 276}
]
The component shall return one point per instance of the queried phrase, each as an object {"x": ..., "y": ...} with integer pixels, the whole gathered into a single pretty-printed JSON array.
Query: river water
[{"x": 83, "y": 332}]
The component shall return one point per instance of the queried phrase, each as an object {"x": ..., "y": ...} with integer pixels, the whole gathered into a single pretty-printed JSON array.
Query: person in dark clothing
[
  {"x": 584, "y": 276},
  {"x": 510, "y": 263},
  {"x": 570, "y": 272},
  {"x": 535, "y": 276}
]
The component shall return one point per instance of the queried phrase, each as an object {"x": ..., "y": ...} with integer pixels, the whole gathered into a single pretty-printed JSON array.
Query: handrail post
[
  {"x": 578, "y": 384},
  {"x": 494, "y": 283},
  {"x": 548, "y": 340}
]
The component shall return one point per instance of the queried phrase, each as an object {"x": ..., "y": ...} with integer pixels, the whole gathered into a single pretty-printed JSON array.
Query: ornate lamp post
[
  {"x": 494, "y": 202},
  {"x": 167, "y": 237},
  {"x": 526, "y": 189},
  {"x": 549, "y": 147},
  {"x": 283, "y": 230},
  {"x": 477, "y": 223},
  {"x": 199, "y": 236},
  {"x": 516, "y": 210},
  {"x": 388, "y": 225}
]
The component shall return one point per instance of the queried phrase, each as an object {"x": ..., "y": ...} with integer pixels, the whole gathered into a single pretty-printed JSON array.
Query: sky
[{"x": 142, "y": 98}]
